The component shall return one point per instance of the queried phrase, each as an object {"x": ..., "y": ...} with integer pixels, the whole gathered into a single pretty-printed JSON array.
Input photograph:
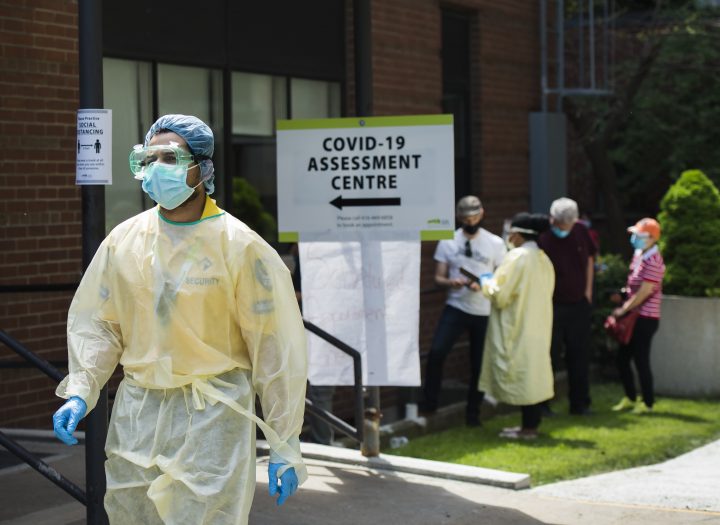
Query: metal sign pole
[
  {"x": 363, "y": 108},
  {"x": 93, "y": 232}
]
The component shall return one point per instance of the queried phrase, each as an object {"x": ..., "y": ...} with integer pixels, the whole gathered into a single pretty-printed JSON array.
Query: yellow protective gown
[
  {"x": 516, "y": 365},
  {"x": 202, "y": 316}
]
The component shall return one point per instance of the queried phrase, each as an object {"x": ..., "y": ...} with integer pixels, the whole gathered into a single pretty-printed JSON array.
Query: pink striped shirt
[{"x": 648, "y": 266}]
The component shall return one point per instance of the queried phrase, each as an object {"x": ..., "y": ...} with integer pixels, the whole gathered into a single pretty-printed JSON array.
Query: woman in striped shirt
[{"x": 644, "y": 288}]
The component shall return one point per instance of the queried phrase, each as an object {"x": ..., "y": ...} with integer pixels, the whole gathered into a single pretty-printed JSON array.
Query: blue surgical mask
[
  {"x": 165, "y": 184},
  {"x": 639, "y": 243},
  {"x": 560, "y": 234}
]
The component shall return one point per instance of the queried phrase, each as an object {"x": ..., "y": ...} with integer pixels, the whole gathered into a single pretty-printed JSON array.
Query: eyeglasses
[{"x": 468, "y": 249}]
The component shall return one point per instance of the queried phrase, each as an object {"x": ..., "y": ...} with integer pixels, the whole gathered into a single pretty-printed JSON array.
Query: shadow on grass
[
  {"x": 544, "y": 440},
  {"x": 686, "y": 418}
]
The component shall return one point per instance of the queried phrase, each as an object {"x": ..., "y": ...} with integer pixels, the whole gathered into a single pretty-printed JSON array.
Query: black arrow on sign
[{"x": 339, "y": 202}]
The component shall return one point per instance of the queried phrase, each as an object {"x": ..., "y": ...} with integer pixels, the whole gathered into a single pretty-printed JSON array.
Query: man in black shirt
[{"x": 572, "y": 252}]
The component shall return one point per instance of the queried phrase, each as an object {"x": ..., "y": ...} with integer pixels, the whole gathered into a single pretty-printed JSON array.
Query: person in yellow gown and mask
[
  {"x": 516, "y": 364},
  {"x": 200, "y": 312}
]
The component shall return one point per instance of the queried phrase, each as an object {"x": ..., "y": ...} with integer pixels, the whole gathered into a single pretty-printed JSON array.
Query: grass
[{"x": 576, "y": 446}]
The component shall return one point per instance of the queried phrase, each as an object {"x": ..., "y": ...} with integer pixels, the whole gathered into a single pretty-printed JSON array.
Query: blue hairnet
[{"x": 199, "y": 138}]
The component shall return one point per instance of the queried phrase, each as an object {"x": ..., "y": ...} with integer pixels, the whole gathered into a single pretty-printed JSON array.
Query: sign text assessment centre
[{"x": 378, "y": 175}]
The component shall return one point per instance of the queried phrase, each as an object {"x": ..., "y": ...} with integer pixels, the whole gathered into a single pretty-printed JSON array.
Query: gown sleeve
[
  {"x": 273, "y": 331},
  {"x": 502, "y": 289},
  {"x": 93, "y": 332}
]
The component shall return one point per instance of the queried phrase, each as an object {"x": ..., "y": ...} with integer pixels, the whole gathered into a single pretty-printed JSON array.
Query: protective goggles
[{"x": 141, "y": 157}]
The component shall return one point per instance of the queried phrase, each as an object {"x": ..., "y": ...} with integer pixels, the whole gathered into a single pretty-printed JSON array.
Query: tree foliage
[
  {"x": 690, "y": 241},
  {"x": 249, "y": 209},
  {"x": 674, "y": 117},
  {"x": 661, "y": 117}
]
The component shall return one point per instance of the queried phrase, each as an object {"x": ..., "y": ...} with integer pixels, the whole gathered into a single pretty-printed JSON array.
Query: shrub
[
  {"x": 249, "y": 209},
  {"x": 611, "y": 273},
  {"x": 690, "y": 240}
]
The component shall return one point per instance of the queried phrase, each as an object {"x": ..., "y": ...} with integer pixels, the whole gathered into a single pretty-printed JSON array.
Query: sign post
[{"x": 93, "y": 231}]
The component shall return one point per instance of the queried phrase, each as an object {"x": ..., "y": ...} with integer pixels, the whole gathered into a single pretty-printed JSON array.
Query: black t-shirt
[{"x": 570, "y": 259}]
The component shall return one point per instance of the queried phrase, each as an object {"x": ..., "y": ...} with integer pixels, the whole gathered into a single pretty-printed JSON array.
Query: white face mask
[{"x": 508, "y": 243}]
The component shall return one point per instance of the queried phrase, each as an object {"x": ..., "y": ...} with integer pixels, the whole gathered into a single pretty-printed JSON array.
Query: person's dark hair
[{"x": 535, "y": 222}]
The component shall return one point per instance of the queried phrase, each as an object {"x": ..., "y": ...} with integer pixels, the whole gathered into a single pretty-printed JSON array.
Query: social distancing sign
[
  {"x": 381, "y": 178},
  {"x": 94, "y": 147}
]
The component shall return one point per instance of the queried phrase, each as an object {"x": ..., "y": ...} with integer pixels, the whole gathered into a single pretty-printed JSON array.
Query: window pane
[
  {"x": 314, "y": 99},
  {"x": 195, "y": 91},
  {"x": 281, "y": 101},
  {"x": 252, "y": 104},
  {"x": 127, "y": 90}
]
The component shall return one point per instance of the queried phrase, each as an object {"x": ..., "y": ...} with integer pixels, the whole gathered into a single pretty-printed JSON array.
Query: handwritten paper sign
[{"x": 367, "y": 295}]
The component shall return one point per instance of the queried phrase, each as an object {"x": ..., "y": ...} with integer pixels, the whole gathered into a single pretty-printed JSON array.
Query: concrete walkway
[
  {"x": 349, "y": 494},
  {"x": 690, "y": 481}
]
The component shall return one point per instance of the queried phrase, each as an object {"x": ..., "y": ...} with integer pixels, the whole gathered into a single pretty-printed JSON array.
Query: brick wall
[
  {"x": 505, "y": 71},
  {"x": 40, "y": 212},
  {"x": 40, "y": 216}
]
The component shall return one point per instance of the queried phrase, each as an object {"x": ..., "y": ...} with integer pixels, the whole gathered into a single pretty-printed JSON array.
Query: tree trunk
[{"x": 606, "y": 180}]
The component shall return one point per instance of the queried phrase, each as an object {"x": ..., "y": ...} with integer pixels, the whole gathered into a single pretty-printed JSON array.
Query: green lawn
[{"x": 575, "y": 446}]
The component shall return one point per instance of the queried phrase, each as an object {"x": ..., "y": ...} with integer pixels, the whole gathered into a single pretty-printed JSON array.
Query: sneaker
[
  {"x": 518, "y": 433},
  {"x": 510, "y": 430},
  {"x": 641, "y": 408},
  {"x": 625, "y": 404}
]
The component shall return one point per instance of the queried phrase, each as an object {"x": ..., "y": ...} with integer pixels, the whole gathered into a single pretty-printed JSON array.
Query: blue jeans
[{"x": 454, "y": 323}]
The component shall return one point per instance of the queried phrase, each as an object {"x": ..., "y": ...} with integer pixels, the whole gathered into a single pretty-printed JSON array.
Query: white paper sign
[
  {"x": 380, "y": 178},
  {"x": 94, "y": 147},
  {"x": 366, "y": 295}
]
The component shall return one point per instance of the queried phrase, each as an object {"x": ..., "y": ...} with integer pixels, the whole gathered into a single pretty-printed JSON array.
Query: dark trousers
[
  {"x": 531, "y": 416},
  {"x": 453, "y": 324},
  {"x": 638, "y": 350},
  {"x": 571, "y": 330}
]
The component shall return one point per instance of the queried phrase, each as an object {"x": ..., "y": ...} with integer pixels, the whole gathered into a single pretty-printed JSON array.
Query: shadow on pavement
[{"x": 335, "y": 495}]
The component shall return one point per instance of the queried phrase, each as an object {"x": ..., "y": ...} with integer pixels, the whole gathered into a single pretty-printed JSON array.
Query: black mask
[{"x": 471, "y": 229}]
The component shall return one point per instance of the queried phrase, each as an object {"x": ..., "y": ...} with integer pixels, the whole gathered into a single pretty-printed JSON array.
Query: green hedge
[
  {"x": 611, "y": 273},
  {"x": 690, "y": 240},
  {"x": 250, "y": 210}
]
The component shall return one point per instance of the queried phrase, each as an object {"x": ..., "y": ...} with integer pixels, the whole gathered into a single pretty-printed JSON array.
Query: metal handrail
[
  {"x": 331, "y": 419},
  {"x": 21, "y": 452},
  {"x": 37, "y": 362},
  {"x": 354, "y": 433},
  {"x": 43, "y": 468}
]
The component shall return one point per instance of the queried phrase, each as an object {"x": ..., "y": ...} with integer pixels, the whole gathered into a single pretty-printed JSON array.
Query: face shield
[{"x": 142, "y": 157}]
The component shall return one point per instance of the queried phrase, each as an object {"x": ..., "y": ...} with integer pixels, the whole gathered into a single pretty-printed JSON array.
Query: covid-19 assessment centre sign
[{"x": 377, "y": 178}]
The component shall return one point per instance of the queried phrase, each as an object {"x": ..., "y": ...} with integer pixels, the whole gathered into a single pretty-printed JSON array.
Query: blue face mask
[
  {"x": 639, "y": 243},
  {"x": 165, "y": 184},
  {"x": 560, "y": 234}
]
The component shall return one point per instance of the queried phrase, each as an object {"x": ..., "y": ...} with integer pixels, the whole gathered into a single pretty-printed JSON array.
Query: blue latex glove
[
  {"x": 288, "y": 482},
  {"x": 485, "y": 277},
  {"x": 66, "y": 419}
]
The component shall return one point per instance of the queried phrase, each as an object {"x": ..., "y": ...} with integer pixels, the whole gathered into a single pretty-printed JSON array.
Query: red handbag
[{"x": 622, "y": 328}]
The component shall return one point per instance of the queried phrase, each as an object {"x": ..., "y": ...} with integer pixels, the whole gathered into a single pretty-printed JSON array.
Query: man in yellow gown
[{"x": 201, "y": 314}]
